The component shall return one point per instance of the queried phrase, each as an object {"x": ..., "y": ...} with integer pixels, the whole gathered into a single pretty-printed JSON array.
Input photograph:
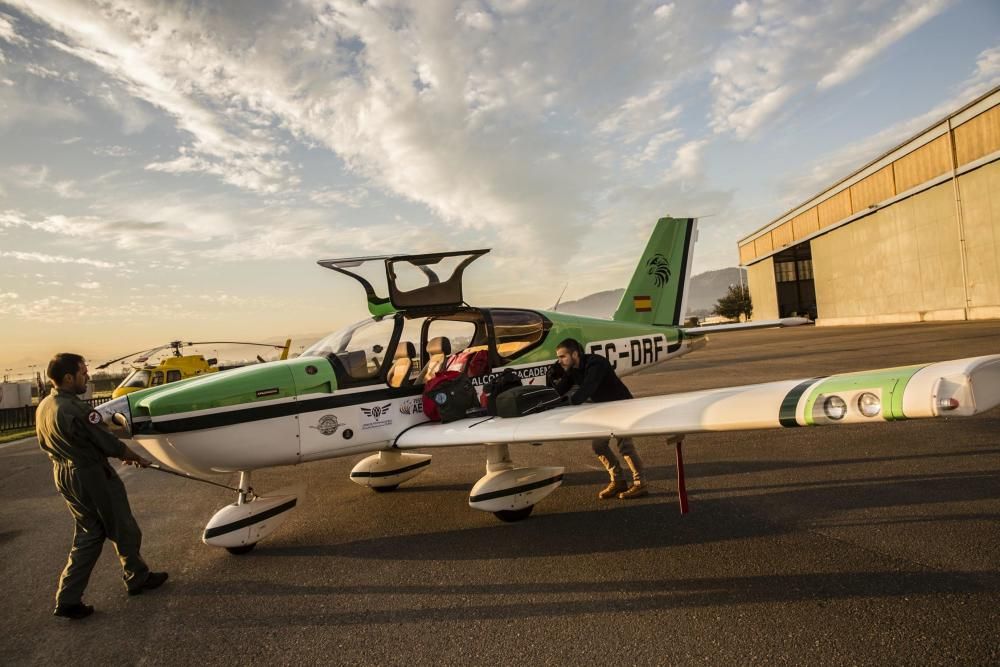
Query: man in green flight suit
[{"x": 79, "y": 446}]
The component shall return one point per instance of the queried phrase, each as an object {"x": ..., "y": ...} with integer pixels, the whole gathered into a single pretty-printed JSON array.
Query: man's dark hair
[
  {"x": 61, "y": 364},
  {"x": 571, "y": 345}
]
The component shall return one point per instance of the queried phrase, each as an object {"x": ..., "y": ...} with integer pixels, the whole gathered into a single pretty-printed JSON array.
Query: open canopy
[{"x": 414, "y": 282}]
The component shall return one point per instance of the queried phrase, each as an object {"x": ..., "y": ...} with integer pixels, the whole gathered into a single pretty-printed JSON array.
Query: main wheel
[
  {"x": 509, "y": 516},
  {"x": 384, "y": 489},
  {"x": 245, "y": 549}
]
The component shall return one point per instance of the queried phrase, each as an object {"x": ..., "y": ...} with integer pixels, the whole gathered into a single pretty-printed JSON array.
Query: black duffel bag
[
  {"x": 453, "y": 396},
  {"x": 507, "y": 379},
  {"x": 527, "y": 399}
]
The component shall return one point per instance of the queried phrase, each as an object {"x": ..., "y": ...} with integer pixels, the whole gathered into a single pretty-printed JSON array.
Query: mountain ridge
[{"x": 705, "y": 289}]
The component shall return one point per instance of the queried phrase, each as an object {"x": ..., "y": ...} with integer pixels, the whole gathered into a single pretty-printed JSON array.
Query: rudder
[{"x": 657, "y": 292}]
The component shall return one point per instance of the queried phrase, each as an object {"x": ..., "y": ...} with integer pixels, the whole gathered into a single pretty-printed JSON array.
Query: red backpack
[{"x": 471, "y": 363}]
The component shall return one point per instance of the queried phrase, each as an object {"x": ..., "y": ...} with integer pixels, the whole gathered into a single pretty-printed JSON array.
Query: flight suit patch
[{"x": 94, "y": 417}]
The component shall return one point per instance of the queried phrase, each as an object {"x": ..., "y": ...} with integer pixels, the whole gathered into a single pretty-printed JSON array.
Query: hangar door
[{"x": 793, "y": 277}]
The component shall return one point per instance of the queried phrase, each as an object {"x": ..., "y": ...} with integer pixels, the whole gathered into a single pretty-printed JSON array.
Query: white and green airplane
[{"x": 359, "y": 390}]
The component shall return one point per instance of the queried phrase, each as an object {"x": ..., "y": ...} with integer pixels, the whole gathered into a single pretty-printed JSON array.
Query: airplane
[
  {"x": 359, "y": 390},
  {"x": 176, "y": 367}
]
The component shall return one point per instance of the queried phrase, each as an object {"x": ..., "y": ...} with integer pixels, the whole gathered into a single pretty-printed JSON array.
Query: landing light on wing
[
  {"x": 869, "y": 404},
  {"x": 835, "y": 407}
]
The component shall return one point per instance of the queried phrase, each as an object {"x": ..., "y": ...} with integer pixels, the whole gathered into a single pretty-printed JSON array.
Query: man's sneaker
[
  {"x": 73, "y": 612},
  {"x": 612, "y": 490},
  {"x": 154, "y": 580},
  {"x": 636, "y": 491}
]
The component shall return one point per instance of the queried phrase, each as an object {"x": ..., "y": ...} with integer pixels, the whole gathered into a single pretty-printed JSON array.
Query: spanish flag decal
[{"x": 643, "y": 304}]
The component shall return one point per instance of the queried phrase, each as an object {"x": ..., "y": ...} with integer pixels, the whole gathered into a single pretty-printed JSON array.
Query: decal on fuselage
[
  {"x": 626, "y": 354},
  {"x": 327, "y": 425},
  {"x": 377, "y": 416},
  {"x": 528, "y": 374},
  {"x": 412, "y": 406}
]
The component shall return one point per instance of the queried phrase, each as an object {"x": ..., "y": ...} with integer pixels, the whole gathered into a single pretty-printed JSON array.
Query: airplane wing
[
  {"x": 744, "y": 326},
  {"x": 962, "y": 387}
]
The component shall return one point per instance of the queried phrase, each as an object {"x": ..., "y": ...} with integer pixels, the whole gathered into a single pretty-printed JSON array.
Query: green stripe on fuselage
[{"x": 239, "y": 386}]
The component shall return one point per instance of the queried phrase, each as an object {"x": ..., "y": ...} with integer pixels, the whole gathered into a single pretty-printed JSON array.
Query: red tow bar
[{"x": 682, "y": 496}]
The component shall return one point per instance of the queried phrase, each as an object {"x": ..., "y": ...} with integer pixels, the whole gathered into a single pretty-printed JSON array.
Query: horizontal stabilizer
[{"x": 746, "y": 326}]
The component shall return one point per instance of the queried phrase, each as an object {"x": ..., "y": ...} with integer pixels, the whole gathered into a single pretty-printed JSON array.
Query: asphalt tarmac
[{"x": 867, "y": 544}]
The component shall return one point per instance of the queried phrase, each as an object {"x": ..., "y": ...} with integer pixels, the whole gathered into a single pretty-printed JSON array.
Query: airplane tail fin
[{"x": 658, "y": 291}]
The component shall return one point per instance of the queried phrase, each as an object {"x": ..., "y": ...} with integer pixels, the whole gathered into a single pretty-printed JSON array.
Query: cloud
[
  {"x": 7, "y": 31},
  {"x": 985, "y": 77},
  {"x": 447, "y": 104},
  {"x": 99, "y": 233},
  {"x": 48, "y": 309},
  {"x": 113, "y": 151},
  {"x": 37, "y": 178},
  {"x": 778, "y": 48},
  {"x": 687, "y": 161},
  {"x": 486, "y": 121},
  {"x": 89, "y": 285},
  {"x": 473, "y": 16},
  {"x": 352, "y": 197},
  {"x": 57, "y": 259},
  {"x": 663, "y": 12},
  {"x": 43, "y": 72},
  {"x": 910, "y": 17},
  {"x": 828, "y": 168}
]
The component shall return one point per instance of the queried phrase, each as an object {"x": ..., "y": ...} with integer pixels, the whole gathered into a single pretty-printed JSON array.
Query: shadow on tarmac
[
  {"x": 626, "y": 597},
  {"x": 655, "y": 524}
]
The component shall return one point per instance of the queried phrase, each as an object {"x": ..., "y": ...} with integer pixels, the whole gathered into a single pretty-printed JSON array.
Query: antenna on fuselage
[{"x": 559, "y": 300}]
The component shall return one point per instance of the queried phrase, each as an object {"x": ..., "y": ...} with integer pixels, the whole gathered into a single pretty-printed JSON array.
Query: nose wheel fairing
[
  {"x": 388, "y": 469},
  {"x": 238, "y": 527}
]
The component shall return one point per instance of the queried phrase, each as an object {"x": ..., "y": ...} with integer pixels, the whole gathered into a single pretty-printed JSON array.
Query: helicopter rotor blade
[
  {"x": 176, "y": 345},
  {"x": 235, "y": 342},
  {"x": 148, "y": 353}
]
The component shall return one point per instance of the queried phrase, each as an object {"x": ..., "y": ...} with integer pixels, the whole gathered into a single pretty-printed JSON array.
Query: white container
[{"x": 14, "y": 395}]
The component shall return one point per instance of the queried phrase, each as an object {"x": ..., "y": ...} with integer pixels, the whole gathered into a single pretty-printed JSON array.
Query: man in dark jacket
[
  {"x": 595, "y": 380},
  {"x": 79, "y": 446}
]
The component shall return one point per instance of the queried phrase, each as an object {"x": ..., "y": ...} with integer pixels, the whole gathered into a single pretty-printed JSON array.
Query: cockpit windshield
[
  {"x": 139, "y": 378},
  {"x": 360, "y": 347}
]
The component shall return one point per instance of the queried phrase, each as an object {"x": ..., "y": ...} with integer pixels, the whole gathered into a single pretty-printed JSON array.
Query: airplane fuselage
[{"x": 312, "y": 408}]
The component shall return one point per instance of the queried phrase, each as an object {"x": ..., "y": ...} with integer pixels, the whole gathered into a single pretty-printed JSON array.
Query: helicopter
[{"x": 178, "y": 366}]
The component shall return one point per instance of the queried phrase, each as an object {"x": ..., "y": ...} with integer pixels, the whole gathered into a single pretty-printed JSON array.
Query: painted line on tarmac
[{"x": 17, "y": 442}]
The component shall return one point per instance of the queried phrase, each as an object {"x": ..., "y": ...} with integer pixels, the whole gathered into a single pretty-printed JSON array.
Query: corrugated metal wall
[{"x": 964, "y": 143}]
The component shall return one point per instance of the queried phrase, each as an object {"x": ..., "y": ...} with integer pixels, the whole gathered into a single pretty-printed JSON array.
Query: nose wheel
[{"x": 239, "y": 551}]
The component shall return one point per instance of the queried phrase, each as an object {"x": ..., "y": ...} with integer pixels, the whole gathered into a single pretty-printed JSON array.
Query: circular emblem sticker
[
  {"x": 440, "y": 398},
  {"x": 94, "y": 417},
  {"x": 328, "y": 425}
]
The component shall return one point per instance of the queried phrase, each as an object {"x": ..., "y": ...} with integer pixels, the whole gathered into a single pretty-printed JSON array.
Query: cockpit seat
[
  {"x": 402, "y": 363},
  {"x": 356, "y": 364},
  {"x": 438, "y": 350}
]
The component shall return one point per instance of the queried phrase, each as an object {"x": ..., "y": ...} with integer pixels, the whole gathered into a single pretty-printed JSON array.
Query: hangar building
[{"x": 912, "y": 236}]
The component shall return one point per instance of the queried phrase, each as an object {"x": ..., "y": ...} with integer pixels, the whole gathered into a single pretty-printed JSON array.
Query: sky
[{"x": 173, "y": 170}]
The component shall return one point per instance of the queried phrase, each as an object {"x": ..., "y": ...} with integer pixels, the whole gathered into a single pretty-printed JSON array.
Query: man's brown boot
[
  {"x": 636, "y": 491},
  {"x": 612, "y": 490}
]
